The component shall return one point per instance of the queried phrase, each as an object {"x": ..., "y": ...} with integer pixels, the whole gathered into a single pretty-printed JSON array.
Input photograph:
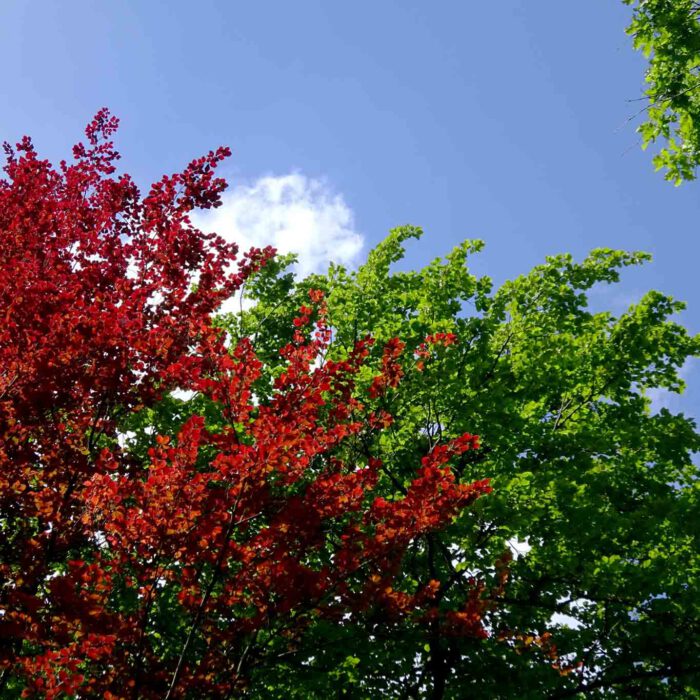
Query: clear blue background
[{"x": 498, "y": 120}]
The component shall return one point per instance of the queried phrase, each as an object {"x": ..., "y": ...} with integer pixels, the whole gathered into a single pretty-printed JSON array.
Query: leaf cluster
[{"x": 668, "y": 33}]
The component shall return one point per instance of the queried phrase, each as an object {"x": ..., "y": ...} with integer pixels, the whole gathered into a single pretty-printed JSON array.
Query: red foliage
[{"x": 106, "y": 300}]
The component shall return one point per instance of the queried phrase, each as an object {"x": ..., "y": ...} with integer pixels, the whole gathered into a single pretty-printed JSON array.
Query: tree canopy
[
  {"x": 668, "y": 32},
  {"x": 152, "y": 548},
  {"x": 291, "y": 501},
  {"x": 597, "y": 488}
]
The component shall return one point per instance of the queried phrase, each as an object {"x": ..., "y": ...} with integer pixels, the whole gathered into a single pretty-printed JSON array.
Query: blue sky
[{"x": 503, "y": 121}]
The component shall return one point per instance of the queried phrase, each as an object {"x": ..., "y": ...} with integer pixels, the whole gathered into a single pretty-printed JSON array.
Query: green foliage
[
  {"x": 668, "y": 33},
  {"x": 601, "y": 487}
]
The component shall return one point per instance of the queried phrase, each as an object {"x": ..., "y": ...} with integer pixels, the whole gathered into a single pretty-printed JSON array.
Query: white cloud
[
  {"x": 580, "y": 606},
  {"x": 519, "y": 548},
  {"x": 182, "y": 394},
  {"x": 293, "y": 213}
]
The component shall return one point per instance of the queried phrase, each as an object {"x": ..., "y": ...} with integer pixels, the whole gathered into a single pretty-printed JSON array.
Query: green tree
[
  {"x": 599, "y": 484},
  {"x": 668, "y": 32}
]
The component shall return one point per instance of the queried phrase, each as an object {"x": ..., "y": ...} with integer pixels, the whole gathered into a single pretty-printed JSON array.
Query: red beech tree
[{"x": 175, "y": 571}]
